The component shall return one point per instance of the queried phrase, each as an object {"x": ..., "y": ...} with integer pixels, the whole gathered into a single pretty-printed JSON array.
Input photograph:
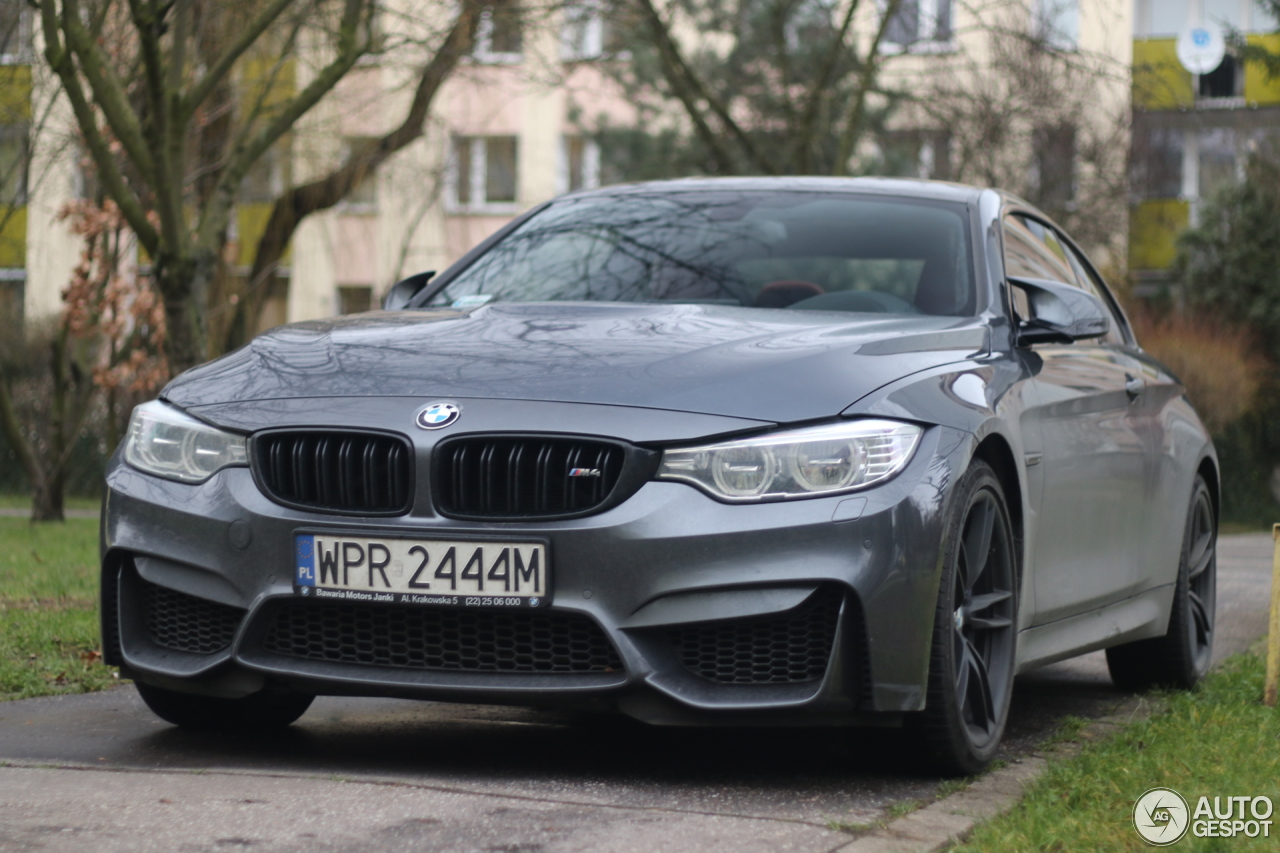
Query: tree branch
[
  {"x": 688, "y": 88},
  {"x": 818, "y": 89},
  {"x": 223, "y": 64},
  {"x": 849, "y": 137},
  {"x": 299, "y": 202},
  {"x": 167, "y": 182},
  {"x": 245, "y": 152},
  {"x": 108, "y": 91},
  {"x": 59, "y": 60}
]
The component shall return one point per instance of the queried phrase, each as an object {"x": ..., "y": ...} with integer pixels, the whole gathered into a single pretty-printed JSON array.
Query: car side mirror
[
  {"x": 404, "y": 290},
  {"x": 1060, "y": 313}
]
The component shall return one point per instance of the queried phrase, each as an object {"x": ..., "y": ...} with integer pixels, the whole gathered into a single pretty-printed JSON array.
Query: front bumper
[{"x": 709, "y": 610}]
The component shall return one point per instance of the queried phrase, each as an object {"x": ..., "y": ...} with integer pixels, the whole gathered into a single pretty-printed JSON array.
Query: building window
[
  {"x": 587, "y": 34},
  {"x": 14, "y": 161},
  {"x": 1225, "y": 81},
  {"x": 15, "y": 33},
  {"x": 1219, "y": 166},
  {"x": 355, "y": 299},
  {"x": 1057, "y": 23},
  {"x": 268, "y": 177},
  {"x": 12, "y": 293},
  {"x": 579, "y": 164},
  {"x": 499, "y": 36},
  {"x": 1157, "y": 161},
  {"x": 1053, "y": 166},
  {"x": 917, "y": 154},
  {"x": 920, "y": 26},
  {"x": 484, "y": 173}
]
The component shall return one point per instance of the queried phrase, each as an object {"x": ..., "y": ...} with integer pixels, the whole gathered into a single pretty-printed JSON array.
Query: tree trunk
[
  {"x": 47, "y": 500},
  {"x": 184, "y": 284}
]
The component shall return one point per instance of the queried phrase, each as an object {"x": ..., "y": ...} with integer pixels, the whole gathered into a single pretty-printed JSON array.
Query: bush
[{"x": 1216, "y": 361}]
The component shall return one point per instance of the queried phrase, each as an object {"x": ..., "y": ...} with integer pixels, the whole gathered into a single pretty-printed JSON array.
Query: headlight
[
  {"x": 798, "y": 463},
  {"x": 165, "y": 442}
]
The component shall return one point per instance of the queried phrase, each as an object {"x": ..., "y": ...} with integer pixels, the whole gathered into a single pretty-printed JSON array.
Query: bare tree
[
  {"x": 109, "y": 334},
  {"x": 1037, "y": 117},
  {"x": 178, "y": 99},
  {"x": 299, "y": 202},
  {"x": 766, "y": 86}
]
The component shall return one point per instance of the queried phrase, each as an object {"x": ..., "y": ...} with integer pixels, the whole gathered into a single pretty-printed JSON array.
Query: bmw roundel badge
[{"x": 438, "y": 415}]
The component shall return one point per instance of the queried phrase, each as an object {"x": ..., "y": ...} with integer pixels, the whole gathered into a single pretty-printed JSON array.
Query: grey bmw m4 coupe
[{"x": 703, "y": 452}]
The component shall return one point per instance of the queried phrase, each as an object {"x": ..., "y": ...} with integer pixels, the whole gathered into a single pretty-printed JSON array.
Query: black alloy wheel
[
  {"x": 972, "y": 660},
  {"x": 1182, "y": 656}
]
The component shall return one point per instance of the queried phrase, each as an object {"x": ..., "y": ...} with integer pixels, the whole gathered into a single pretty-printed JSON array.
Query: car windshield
[{"x": 798, "y": 250}]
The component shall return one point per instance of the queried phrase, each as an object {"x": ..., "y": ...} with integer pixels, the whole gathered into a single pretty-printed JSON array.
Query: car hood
[{"x": 770, "y": 365}]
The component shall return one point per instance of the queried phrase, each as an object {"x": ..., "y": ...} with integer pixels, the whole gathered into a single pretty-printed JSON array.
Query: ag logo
[
  {"x": 438, "y": 415},
  {"x": 1161, "y": 816}
]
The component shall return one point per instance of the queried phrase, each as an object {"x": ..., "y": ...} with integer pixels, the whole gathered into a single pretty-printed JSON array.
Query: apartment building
[
  {"x": 512, "y": 128},
  {"x": 503, "y": 136},
  {"x": 1192, "y": 133}
]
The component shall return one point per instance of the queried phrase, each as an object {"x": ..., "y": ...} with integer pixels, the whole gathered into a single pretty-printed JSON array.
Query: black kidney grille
[
  {"x": 790, "y": 648},
  {"x": 186, "y": 623},
  {"x": 439, "y": 639},
  {"x": 349, "y": 472},
  {"x": 525, "y": 477}
]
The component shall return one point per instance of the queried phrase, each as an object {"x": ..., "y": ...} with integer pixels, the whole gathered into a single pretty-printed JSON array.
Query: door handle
[{"x": 1134, "y": 386}]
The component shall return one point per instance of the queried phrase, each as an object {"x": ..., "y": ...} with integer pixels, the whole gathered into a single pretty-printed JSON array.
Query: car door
[
  {"x": 1092, "y": 516},
  {"x": 1153, "y": 412}
]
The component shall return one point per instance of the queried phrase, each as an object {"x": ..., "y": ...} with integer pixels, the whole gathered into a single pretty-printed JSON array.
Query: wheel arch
[
  {"x": 1208, "y": 468},
  {"x": 994, "y": 449}
]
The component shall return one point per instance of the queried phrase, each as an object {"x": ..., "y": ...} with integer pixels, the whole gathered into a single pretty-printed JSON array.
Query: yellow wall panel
[
  {"x": 1154, "y": 227},
  {"x": 15, "y": 94},
  {"x": 251, "y": 221},
  {"x": 1257, "y": 88},
  {"x": 1159, "y": 81},
  {"x": 13, "y": 237}
]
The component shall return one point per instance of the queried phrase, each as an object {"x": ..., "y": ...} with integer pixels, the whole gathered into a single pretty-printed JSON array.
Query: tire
[
  {"x": 1182, "y": 656},
  {"x": 974, "y": 633},
  {"x": 256, "y": 712}
]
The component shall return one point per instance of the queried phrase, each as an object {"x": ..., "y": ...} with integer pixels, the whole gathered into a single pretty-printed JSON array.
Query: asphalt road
[{"x": 98, "y": 772}]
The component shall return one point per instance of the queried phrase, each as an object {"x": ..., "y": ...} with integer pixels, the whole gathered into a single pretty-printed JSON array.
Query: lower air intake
[
  {"x": 441, "y": 639},
  {"x": 186, "y": 623},
  {"x": 787, "y": 649}
]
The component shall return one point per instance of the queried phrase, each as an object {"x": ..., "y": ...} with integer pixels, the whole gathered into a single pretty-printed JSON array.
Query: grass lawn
[
  {"x": 49, "y": 639},
  {"x": 23, "y": 501},
  {"x": 1218, "y": 741}
]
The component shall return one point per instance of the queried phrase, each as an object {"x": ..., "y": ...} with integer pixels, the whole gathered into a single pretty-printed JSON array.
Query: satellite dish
[{"x": 1201, "y": 48}]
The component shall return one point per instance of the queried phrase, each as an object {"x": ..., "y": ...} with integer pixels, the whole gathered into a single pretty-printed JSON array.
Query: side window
[
  {"x": 1035, "y": 250},
  {"x": 1098, "y": 289},
  {"x": 1026, "y": 254}
]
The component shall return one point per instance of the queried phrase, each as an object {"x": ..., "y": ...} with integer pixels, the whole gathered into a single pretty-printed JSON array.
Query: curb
[
  {"x": 20, "y": 512},
  {"x": 949, "y": 820}
]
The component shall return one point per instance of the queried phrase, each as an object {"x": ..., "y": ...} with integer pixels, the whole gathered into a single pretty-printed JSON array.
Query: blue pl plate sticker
[{"x": 305, "y": 546}]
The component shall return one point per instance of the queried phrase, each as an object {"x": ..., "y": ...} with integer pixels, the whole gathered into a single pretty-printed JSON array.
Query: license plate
[{"x": 421, "y": 571}]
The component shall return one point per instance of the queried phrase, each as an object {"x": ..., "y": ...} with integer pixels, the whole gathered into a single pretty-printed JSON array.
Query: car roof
[{"x": 899, "y": 187}]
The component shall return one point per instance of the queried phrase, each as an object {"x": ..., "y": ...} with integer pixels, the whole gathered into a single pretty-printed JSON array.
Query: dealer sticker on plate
[{"x": 421, "y": 571}]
